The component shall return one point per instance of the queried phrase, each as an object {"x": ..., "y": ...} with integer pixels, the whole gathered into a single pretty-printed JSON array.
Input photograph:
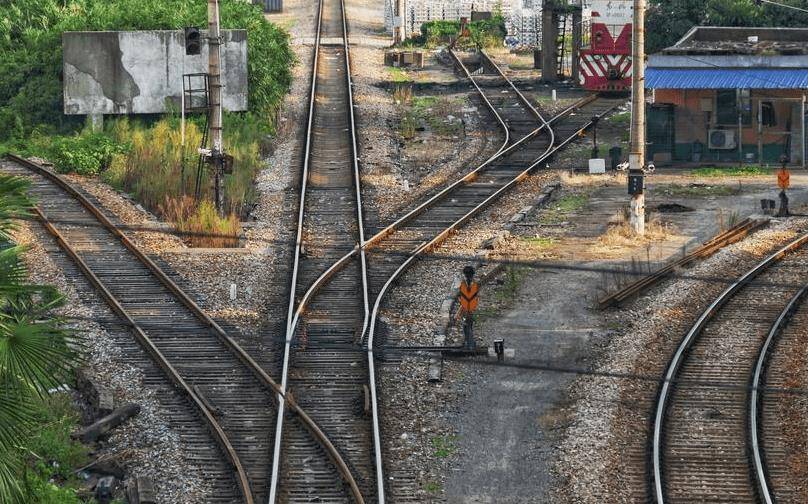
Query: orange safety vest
[
  {"x": 468, "y": 296},
  {"x": 783, "y": 178}
]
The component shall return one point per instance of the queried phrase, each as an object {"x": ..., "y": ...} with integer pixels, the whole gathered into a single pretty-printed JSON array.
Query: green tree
[
  {"x": 36, "y": 352},
  {"x": 669, "y": 20},
  {"x": 31, "y": 45}
]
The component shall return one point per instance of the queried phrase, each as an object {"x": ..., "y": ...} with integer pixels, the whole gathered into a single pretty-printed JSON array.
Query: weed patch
[
  {"x": 559, "y": 210},
  {"x": 444, "y": 446},
  {"x": 540, "y": 242},
  {"x": 398, "y": 75},
  {"x": 50, "y": 456},
  {"x": 432, "y": 111},
  {"x": 432, "y": 487},
  {"x": 735, "y": 171}
]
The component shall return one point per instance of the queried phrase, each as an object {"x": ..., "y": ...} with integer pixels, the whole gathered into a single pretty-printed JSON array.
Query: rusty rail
[
  {"x": 231, "y": 344},
  {"x": 708, "y": 248}
]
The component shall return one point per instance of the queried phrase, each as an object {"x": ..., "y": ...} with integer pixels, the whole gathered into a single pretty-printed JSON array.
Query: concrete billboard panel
[{"x": 139, "y": 72}]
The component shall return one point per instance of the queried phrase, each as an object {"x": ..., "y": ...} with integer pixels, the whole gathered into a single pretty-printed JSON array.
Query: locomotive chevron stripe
[{"x": 598, "y": 65}]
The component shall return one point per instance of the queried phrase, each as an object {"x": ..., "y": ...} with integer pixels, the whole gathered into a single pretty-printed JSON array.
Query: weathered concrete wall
[{"x": 139, "y": 72}]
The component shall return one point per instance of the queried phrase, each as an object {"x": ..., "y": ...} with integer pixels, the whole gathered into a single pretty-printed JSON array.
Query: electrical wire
[
  {"x": 785, "y": 6},
  {"x": 385, "y": 352}
]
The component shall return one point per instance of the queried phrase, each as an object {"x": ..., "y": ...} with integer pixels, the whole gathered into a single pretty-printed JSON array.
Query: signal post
[{"x": 636, "y": 157}]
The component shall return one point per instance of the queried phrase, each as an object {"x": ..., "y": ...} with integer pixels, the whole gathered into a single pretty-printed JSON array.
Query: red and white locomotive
[{"x": 606, "y": 58}]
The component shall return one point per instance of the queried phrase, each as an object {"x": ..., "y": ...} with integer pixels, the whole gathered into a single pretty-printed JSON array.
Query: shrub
[
  {"x": 200, "y": 225},
  {"x": 31, "y": 66},
  {"x": 85, "y": 154},
  {"x": 484, "y": 33}
]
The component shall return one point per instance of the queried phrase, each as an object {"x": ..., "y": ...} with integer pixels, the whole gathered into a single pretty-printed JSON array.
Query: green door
[{"x": 659, "y": 130}]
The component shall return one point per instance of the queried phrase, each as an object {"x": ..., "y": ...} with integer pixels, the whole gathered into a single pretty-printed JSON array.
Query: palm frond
[
  {"x": 13, "y": 272},
  {"x": 14, "y": 202},
  {"x": 10, "y": 489},
  {"x": 38, "y": 353},
  {"x": 16, "y": 422}
]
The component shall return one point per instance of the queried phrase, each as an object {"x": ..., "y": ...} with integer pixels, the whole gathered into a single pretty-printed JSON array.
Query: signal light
[{"x": 193, "y": 41}]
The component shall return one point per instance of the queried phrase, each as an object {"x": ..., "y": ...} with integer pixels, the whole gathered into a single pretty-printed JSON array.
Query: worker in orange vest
[
  {"x": 783, "y": 182},
  {"x": 469, "y": 290}
]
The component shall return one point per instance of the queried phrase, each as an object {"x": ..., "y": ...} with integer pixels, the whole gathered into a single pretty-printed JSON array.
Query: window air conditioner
[{"x": 722, "y": 139}]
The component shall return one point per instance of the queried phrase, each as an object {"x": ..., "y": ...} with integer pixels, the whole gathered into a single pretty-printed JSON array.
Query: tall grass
[{"x": 160, "y": 172}]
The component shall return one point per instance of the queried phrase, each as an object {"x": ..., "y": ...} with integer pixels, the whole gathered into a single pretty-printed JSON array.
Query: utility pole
[
  {"x": 577, "y": 29},
  {"x": 215, "y": 100},
  {"x": 398, "y": 22},
  {"x": 637, "y": 155},
  {"x": 549, "y": 41}
]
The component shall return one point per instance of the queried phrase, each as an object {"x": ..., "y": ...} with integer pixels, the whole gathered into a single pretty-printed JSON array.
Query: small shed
[{"x": 728, "y": 94}]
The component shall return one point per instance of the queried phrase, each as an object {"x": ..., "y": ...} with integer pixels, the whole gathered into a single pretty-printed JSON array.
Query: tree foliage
[
  {"x": 669, "y": 20},
  {"x": 36, "y": 352},
  {"x": 31, "y": 66}
]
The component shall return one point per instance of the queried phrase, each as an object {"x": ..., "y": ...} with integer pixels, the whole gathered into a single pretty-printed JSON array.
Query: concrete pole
[
  {"x": 398, "y": 21},
  {"x": 215, "y": 97},
  {"x": 549, "y": 42},
  {"x": 637, "y": 155},
  {"x": 577, "y": 30}
]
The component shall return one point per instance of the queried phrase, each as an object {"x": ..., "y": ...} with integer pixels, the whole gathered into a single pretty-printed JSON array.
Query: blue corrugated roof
[{"x": 726, "y": 78}]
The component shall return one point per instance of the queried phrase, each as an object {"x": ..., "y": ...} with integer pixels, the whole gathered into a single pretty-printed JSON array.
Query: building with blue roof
[{"x": 726, "y": 94}]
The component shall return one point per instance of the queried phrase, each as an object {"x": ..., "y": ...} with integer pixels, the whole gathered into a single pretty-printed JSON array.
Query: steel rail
[
  {"x": 513, "y": 86},
  {"x": 504, "y": 149},
  {"x": 735, "y": 234},
  {"x": 377, "y": 447},
  {"x": 409, "y": 216},
  {"x": 292, "y": 312},
  {"x": 755, "y": 427},
  {"x": 276, "y": 456},
  {"x": 148, "y": 345},
  {"x": 227, "y": 340},
  {"x": 686, "y": 343},
  {"x": 360, "y": 249}
]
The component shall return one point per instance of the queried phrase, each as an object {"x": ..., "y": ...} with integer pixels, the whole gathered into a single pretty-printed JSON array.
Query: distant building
[
  {"x": 418, "y": 12},
  {"x": 524, "y": 22},
  {"x": 728, "y": 95}
]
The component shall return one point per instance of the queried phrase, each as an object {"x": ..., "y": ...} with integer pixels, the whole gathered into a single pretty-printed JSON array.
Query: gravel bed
[
  {"x": 415, "y": 434},
  {"x": 398, "y": 174},
  {"x": 145, "y": 445},
  {"x": 602, "y": 456}
]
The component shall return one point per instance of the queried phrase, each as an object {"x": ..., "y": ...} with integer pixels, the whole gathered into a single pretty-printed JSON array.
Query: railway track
[
  {"x": 232, "y": 396},
  {"x": 391, "y": 250},
  {"x": 224, "y": 399},
  {"x": 708, "y": 423},
  {"x": 775, "y": 418},
  {"x": 332, "y": 385}
]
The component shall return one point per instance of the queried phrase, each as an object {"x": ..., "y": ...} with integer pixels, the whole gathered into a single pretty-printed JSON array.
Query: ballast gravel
[
  {"x": 603, "y": 453},
  {"x": 145, "y": 445}
]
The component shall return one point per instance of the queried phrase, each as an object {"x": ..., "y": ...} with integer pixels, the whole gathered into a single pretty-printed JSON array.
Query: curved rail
[
  {"x": 148, "y": 345},
  {"x": 229, "y": 342},
  {"x": 292, "y": 314},
  {"x": 755, "y": 427},
  {"x": 686, "y": 344},
  {"x": 408, "y": 217}
]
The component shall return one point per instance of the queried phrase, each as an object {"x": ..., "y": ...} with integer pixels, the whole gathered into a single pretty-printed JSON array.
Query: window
[{"x": 727, "y": 101}]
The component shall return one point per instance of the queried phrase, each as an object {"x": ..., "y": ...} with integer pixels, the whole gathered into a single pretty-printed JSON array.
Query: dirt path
[{"x": 512, "y": 420}]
